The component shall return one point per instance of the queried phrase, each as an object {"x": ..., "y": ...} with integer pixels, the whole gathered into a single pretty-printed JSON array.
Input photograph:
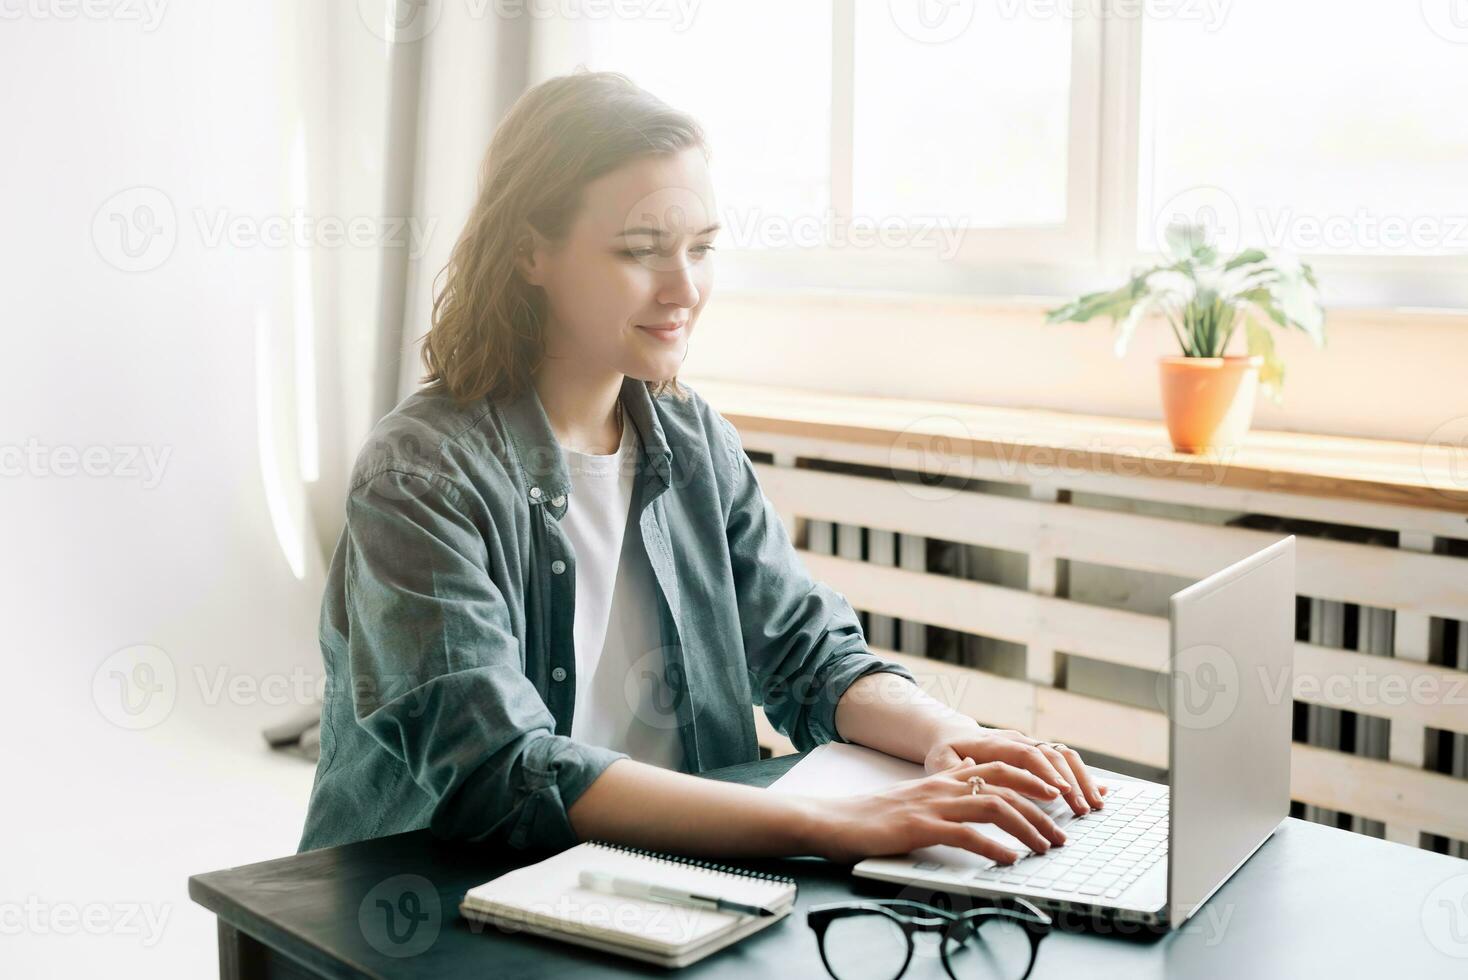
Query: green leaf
[
  {"x": 1246, "y": 257},
  {"x": 1172, "y": 322},
  {"x": 1116, "y": 303},
  {"x": 1128, "y": 324},
  {"x": 1188, "y": 241},
  {"x": 1271, "y": 372},
  {"x": 1299, "y": 300}
]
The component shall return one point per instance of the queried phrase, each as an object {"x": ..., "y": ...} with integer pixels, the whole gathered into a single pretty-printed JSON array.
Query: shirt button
[
  {"x": 558, "y": 566},
  {"x": 535, "y": 492},
  {"x": 558, "y": 501},
  {"x": 559, "y": 674}
]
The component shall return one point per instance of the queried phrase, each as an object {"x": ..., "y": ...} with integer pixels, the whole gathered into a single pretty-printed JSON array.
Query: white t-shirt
[{"x": 622, "y": 701}]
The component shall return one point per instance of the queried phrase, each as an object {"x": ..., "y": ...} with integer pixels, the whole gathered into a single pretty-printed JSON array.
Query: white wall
[{"x": 114, "y": 354}]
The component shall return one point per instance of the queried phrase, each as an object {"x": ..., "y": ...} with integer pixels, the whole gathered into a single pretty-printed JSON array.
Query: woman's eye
[{"x": 642, "y": 253}]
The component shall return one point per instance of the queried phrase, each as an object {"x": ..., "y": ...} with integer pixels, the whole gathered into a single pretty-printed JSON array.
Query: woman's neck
[{"x": 581, "y": 406}]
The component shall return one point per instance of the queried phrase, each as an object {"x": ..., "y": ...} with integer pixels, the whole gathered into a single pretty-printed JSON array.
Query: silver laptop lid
[{"x": 1230, "y": 706}]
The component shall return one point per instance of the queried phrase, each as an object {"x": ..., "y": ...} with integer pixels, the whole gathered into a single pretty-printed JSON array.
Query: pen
[{"x": 603, "y": 882}]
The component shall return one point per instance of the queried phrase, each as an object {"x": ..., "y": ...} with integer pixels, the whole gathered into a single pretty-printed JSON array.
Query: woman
[{"x": 560, "y": 589}]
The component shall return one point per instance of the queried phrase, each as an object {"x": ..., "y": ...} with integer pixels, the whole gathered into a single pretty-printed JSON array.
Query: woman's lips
[{"x": 664, "y": 331}]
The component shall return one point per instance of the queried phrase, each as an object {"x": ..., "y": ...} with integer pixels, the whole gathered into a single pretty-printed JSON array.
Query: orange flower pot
[{"x": 1208, "y": 402}]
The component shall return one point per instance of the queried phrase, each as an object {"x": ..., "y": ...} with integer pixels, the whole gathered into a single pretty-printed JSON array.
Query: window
[
  {"x": 1040, "y": 146},
  {"x": 974, "y": 128},
  {"x": 757, "y": 76},
  {"x": 1315, "y": 127}
]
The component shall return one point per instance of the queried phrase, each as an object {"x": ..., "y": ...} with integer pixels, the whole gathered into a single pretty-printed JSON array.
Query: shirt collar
[{"x": 542, "y": 462}]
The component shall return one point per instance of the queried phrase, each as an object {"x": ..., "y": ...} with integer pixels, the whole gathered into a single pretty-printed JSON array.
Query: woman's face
[{"x": 625, "y": 289}]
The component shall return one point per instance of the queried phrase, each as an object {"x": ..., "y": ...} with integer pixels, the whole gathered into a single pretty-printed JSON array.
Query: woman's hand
[
  {"x": 1052, "y": 762},
  {"x": 936, "y": 809}
]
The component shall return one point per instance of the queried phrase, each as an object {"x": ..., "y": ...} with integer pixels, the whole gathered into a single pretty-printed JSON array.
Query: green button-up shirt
[{"x": 446, "y": 626}]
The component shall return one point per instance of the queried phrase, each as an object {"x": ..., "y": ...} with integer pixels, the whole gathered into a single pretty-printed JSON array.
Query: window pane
[
  {"x": 757, "y": 76},
  {"x": 972, "y": 127},
  {"x": 1311, "y": 126}
]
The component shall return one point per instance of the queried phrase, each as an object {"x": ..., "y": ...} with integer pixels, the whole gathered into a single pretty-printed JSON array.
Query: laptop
[{"x": 1153, "y": 855}]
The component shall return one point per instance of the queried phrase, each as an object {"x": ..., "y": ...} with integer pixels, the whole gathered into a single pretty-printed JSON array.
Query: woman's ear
[{"x": 530, "y": 256}]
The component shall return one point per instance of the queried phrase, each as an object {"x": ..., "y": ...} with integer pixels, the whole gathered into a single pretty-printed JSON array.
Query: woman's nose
[{"x": 678, "y": 287}]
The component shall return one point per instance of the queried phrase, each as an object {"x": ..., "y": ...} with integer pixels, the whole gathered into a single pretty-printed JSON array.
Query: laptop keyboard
[{"x": 1105, "y": 851}]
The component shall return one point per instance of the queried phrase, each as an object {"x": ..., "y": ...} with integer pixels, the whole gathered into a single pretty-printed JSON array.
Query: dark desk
[{"x": 1313, "y": 901}]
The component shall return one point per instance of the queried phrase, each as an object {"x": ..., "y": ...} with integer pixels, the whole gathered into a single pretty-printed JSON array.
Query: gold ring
[
  {"x": 1057, "y": 746},
  {"x": 975, "y": 783}
]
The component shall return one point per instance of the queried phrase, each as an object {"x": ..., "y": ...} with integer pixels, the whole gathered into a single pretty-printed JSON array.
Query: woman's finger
[
  {"x": 1075, "y": 797},
  {"x": 994, "y": 808},
  {"x": 947, "y": 760},
  {"x": 1031, "y": 812},
  {"x": 1039, "y": 832},
  {"x": 962, "y": 770},
  {"x": 943, "y": 782},
  {"x": 1036, "y": 816},
  {"x": 1021, "y": 780},
  {"x": 962, "y": 835},
  {"x": 1035, "y": 760},
  {"x": 1082, "y": 775}
]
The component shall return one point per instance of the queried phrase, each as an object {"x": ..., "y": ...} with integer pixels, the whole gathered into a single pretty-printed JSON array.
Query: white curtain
[{"x": 416, "y": 90}]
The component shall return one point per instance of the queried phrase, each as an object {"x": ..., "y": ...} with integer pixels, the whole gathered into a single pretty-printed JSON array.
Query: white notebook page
[{"x": 550, "y": 894}]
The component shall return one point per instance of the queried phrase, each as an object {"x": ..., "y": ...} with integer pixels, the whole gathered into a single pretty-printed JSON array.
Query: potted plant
[{"x": 1207, "y": 395}]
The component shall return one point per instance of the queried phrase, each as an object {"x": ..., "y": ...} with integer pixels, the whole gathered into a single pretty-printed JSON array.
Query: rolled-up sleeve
[
  {"x": 802, "y": 640},
  {"x": 437, "y": 675}
]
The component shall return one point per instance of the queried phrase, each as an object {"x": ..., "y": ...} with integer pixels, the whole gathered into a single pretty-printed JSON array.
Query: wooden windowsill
[{"x": 1402, "y": 474}]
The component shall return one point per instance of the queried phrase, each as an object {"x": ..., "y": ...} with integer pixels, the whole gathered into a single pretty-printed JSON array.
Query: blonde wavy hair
[{"x": 486, "y": 335}]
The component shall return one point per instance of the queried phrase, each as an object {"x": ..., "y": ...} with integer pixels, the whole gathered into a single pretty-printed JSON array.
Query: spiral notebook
[{"x": 547, "y": 899}]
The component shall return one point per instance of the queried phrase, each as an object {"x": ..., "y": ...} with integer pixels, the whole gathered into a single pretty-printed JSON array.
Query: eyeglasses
[{"x": 876, "y": 940}]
